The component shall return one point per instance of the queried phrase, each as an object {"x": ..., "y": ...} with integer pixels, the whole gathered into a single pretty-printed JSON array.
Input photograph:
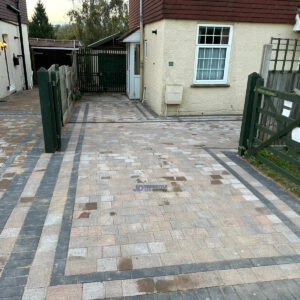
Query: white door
[
  {"x": 134, "y": 71},
  {"x": 128, "y": 70}
]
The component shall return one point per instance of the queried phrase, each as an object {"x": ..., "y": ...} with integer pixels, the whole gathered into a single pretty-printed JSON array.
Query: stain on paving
[
  {"x": 146, "y": 285},
  {"x": 125, "y": 264},
  {"x": 91, "y": 206},
  {"x": 84, "y": 215},
  {"x": 164, "y": 286}
]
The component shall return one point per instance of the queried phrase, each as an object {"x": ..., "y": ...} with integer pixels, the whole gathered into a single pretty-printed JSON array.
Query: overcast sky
[{"x": 56, "y": 9}]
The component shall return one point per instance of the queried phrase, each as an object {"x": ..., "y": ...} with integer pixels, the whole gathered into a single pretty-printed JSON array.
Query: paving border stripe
[
  {"x": 59, "y": 279},
  {"x": 277, "y": 289},
  {"x": 141, "y": 111},
  {"x": 64, "y": 236},
  {"x": 11, "y": 196},
  {"x": 18, "y": 149},
  {"x": 150, "y": 111},
  {"x": 15, "y": 273},
  {"x": 293, "y": 227},
  {"x": 75, "y": 114},
  {"x": 30, "y": 233},
  {"x": 272, "y": 186}
]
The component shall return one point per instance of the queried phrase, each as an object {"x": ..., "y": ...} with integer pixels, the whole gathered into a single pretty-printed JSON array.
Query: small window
[{"x": 212, "y": 54}]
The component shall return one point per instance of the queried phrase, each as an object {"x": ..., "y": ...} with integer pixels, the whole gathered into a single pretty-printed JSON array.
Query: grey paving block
[
  {"x": 229, "y": 293},
  {"x": 282, "y": 289},
  {"x": 12, "y": 282},
  {"x": 255, "y": 291},
  {"x": 215, "y": 293},
  {"x": 293, "y": 287},
  {"x": 7, "y": 292},
  {"x": 189, "y": 295},
  {"x": 269, "y": 291},
  {"x": 203, "y": 294},
  {"x": 242, "y": 292},
  {"x": 169, "y": 296},
  {"x": 13, "y": 272}
]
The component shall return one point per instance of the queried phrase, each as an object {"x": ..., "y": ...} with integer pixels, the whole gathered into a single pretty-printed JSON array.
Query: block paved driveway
[{"x": 202, "y": 225}]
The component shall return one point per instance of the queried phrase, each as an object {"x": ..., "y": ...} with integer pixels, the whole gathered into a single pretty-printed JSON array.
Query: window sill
[{"x": 210, "y": 85}]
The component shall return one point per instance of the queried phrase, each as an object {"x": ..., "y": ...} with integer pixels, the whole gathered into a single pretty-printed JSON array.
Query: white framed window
[{"x": 212, "y": 57}]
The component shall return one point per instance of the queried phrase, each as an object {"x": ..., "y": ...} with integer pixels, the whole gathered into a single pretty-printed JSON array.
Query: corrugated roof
[
  {"x": 37, "y": 42},
  {"x": 105, "y": 40}
]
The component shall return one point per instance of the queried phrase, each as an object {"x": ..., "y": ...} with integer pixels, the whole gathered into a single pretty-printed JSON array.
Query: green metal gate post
[
  {"x": 47, "y": 110},
  {"x": 248, "y": 112},
  {"x": 57, "y": 106},
  {"x": 59, "y": 94}
]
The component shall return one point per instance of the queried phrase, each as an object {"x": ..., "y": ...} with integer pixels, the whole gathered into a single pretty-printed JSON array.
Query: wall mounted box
[
  {"x": 174, "y": 94},
  {"x": 16, "y": 60}
]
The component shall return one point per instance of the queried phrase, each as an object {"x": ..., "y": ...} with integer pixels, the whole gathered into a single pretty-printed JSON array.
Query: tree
[
  {"x": 65, "y": 32},
  {"x": 40, "y": 27},
  {"x": 97, "y": 19}
]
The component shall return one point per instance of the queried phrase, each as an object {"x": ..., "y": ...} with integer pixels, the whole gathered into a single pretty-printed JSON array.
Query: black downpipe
[{"x": 18, "y": 12}]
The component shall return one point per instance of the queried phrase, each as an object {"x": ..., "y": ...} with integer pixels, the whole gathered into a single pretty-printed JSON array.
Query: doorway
[
  {"x": 133, "y": 76},
  {"x": 134, "y": 71}
]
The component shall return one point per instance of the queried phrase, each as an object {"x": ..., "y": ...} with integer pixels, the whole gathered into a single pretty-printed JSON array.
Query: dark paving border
[
  {"x": 12, "y": 157},
  {"x": 74, "y": 116},
  {"x": 59, "y": 267},
  {"x": 64, "y": 237},
  {"x": 15, "y": 273},
  {"x": 288, "y": 199},
  {"x": 141, "y": 111},
  {"x": 26, "y": 245},
  {"x": 19, "y": 114},
  {"x": 58, "y": 277},
  {"x": 272, "y": 186},
  {"x": 11, "y": 196},
  {"x": 279, "y": 289},
  {"x": 150, "y": 111}
]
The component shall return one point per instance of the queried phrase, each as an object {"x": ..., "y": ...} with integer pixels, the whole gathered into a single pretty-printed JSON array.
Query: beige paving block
[
  {"x": 130, "y": 288},
  {"x": 65, "y": 292},
  {"x": 247, "y": 275},
  {"x": 113, "y": 289},
  {"x": 94, "y": 290},
  {"x": 230, "y": 277},
  {"x": 146, "y": 261},
  {"x": 269, "y": 273}
]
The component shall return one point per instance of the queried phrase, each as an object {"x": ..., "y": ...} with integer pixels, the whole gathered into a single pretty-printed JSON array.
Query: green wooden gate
[
  {"x": 51, "y": 107},
  {"x": 267, "y": 128},
  {"x": 101, "y": 70}
]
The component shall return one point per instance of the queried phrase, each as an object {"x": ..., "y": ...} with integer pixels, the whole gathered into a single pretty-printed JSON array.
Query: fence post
[
  {"x": 59, "y": 94},
  {"x": 255, "y": 118},
  {"x": 47, "y": 110},
  {"x": 248, "y": 112},
  {"x": 265, "y": 63},
  {"x": 57, "y": 106}
]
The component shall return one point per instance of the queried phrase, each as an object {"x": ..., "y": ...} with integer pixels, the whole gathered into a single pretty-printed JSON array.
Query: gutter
[
  {"x": 54, "y": 48},
  {"x": 18, "y": 12},
  {"x": 142, "y": 50}
]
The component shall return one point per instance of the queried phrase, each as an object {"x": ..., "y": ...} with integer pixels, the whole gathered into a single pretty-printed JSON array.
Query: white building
[{"x": 13, "y": 76}]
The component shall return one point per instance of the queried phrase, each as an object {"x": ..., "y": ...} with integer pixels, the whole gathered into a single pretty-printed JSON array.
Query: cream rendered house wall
[
  {"x": 14, "y": 47},
  {"x": 154, "y": 79},
  {"x": 176, "y": 42}
]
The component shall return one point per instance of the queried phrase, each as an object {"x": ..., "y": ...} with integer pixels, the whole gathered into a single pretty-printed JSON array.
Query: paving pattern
[{"x": 142, "y": 207}]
